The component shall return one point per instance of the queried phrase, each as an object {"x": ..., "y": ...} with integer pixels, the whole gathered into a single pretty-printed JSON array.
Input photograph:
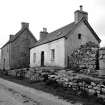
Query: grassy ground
[{"x": 63, "y": 93}]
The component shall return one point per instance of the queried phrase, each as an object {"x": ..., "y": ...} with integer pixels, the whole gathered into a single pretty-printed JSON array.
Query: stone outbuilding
[
  {"x": 55, "y": 48},
  {"x": 16, "y": 53}
]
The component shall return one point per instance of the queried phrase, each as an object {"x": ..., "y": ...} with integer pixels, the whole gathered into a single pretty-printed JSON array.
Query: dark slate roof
[
  {"x": 17, "y": 35},
  {"x": 59, "y": 33},
  {"x": 63, "y": 32}
]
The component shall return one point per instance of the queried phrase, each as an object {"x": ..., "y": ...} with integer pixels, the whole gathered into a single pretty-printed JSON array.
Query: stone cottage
[
  {"x": 55, "y": 48},
  {"x": 16, "y": 53}
]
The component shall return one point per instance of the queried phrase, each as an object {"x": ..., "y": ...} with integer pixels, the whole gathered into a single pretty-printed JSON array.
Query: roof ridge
[
  {"x": 57, "y": 34},
  {"x": 18, "y": 33}
]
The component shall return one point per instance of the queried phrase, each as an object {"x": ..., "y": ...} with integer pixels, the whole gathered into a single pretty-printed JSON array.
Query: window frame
[
  {"x": 79, "y": 36},
  {"x": 34, "y": 57},
  {"x": 52, "y": 54}
]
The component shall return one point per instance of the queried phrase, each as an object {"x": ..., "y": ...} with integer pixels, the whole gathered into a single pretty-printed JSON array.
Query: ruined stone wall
[
  {"x": 85, "y": 57},
  {"x": 102, "y": 61}
]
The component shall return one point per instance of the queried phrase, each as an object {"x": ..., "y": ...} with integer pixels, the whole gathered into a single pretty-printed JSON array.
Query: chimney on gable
[
  {"x": 24, "y": 25},
  {"x": 79, "y": 14},
  {"x": 43, "y": 34},
  {"x": 11, "y": 37},
  {"x": 81, "y": 8}
]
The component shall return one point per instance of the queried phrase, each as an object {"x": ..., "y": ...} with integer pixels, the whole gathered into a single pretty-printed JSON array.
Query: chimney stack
[
  {"x": 44, "y": 29},
  {"x": 43, "y": 34},
  {"x": 79, "y": 14},
  {"x": 81, "y": 8},
  {"x": 24, "y": 25},
  {"x": 11, "y": 37}
]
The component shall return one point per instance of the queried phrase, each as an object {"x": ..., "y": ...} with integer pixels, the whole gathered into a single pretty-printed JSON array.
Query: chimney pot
[
  {"x": 11, "y": 37},
  {"x": 81, "y": 8},
  {"x": 79, "y": 14},
  {"x": 44, "y": 29}
]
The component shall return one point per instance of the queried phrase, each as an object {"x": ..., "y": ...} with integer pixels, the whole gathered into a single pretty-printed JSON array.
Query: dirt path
[
  {"x": 21, "y": 95},
  {"x": 6, "y": 98}
]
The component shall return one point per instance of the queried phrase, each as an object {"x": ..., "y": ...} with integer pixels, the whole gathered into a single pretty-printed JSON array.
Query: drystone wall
[
  {"x": 80, "y": 82},
  {"x": 102, "y": 61},
  {"x": 85, "y": 57}
]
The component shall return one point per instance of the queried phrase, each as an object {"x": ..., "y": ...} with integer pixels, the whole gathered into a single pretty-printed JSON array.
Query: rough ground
[{"x": 15, "y": 94}]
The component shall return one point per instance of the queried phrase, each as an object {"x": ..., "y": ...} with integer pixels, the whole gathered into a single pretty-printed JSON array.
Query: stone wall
[
  {"x": 5, "y": 57},
  {"x": 80, "y": 83},
  {"x": 102, "y": 61},
  {"x": 85, "y": 57},
  {"x": 20, "y": 50}
]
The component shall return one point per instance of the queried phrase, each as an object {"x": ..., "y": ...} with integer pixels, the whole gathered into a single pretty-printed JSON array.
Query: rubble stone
[
  {"x": 91, "y": 91},
  {"x": 85, "y": 57}
]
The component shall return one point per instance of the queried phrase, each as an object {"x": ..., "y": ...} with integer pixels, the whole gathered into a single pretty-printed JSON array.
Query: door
[
  {"x": 42, "y": 58},
  {"x": 97, "y": 60},
  {"x": 4, "y": 64}
]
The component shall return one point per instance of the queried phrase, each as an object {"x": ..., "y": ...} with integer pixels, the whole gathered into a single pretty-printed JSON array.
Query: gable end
[{"x": 91, "y": 29}]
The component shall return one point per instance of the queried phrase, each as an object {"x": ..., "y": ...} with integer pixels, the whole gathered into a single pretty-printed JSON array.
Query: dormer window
[{"x": 79, "y": 36}]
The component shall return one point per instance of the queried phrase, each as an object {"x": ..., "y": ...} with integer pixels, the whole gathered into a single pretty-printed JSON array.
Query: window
[
  {"x": 52, "y": 54},
  {"x": 34, "y": 57},
  {"x": 7, "y": 49},
  {"x": 79, "y": 36}
]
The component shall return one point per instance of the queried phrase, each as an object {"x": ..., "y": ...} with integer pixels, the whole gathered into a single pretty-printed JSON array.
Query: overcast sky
[{"x": 51, "y": 14}]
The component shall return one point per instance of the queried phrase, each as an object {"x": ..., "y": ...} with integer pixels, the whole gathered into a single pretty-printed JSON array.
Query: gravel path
[{"x": 15, "y": 94}]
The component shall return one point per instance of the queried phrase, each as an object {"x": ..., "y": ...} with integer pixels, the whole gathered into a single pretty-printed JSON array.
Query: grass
[{"x": 64, "y": 93}]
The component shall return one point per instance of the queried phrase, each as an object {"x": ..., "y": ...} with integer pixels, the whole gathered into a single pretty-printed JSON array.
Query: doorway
[
  {"x": 4, "y": 64},
  {"x": 42, "y": 58}
]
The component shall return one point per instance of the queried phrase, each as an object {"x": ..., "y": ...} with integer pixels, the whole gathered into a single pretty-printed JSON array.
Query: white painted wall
[{"x": 58, "y": 45}]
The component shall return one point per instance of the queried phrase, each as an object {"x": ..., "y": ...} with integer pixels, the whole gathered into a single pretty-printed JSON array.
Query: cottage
[
  {"x": 55, "y": 48},
  {"x": 15, "y": 53}
]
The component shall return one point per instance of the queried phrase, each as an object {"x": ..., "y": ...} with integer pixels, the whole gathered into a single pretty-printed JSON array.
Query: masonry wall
[
  {"x": 72, "y": 42},
  {"x": 20, "y": 50},
  {"x": 102, "y": 61},
  {"x": 5, "y": 57},
  {"x": 59, "y": 61}
]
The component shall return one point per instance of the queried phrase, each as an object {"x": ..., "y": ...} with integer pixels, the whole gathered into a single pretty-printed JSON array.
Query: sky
[{"x": 51, "y": 14}]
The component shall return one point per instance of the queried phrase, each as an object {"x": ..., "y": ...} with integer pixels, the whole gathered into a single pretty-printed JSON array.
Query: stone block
[
  {"x": 103, "y": 90},
  {"x": 98, "y": 92},
  {"x": 90, "y": 87},
  {"x": 91, "y": 91},
  {"x": 96, "y": 88},
  {"x": 101, "y": 96},
  {"x": 93, "y": 84}
]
